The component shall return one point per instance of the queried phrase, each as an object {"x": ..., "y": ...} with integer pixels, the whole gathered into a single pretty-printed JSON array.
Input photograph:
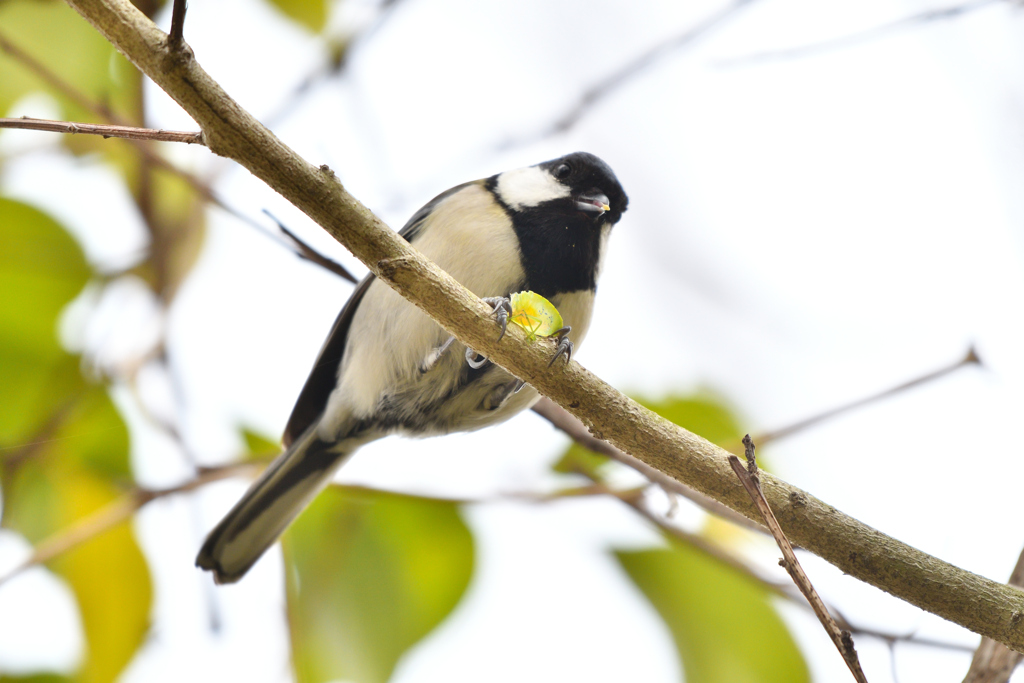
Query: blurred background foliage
[{"x": 368, "y": 573}]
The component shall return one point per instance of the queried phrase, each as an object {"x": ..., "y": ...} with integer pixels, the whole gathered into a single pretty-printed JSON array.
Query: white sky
[{"x": 801, "y": 233}]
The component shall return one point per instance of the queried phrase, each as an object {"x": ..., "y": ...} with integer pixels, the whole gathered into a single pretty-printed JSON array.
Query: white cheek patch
[{"x": 526, "y": 187}]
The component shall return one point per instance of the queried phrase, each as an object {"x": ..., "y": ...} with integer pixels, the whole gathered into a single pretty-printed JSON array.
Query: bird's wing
[{"x": 324, "y": 375}]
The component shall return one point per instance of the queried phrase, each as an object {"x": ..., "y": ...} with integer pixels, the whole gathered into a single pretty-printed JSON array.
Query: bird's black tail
[{"x": 275, "y": 499}]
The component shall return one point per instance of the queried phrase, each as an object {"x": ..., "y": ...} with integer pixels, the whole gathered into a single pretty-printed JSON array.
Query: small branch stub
[{"x": 176, "y": 38}]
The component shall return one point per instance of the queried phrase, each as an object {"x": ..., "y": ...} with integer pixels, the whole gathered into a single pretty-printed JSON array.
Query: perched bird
[{"x": 387, "y": 368}]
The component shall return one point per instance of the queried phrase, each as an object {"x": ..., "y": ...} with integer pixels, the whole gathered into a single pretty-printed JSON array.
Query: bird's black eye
[{"x": 562, "y": 171}]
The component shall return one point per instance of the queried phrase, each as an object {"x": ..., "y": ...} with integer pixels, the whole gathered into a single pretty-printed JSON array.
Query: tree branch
[{"x": 982, "y": 605}]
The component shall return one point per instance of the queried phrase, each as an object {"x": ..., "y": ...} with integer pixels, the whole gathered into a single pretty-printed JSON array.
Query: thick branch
[
  {"x": 982, "y": 605},
  {"x": 993, "y": 662}
]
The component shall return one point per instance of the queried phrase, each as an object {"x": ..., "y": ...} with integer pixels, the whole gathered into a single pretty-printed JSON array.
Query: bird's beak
[{"x": 593, "y": 201}]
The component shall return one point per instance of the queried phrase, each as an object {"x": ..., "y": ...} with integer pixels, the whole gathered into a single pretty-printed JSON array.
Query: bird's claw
[
  {"x": 471, "y": 359},
  {"x": 502, "y": 310},
  {"x": 564, "y": 347}
]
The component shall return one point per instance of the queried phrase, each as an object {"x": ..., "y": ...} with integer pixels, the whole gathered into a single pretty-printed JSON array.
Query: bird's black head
[
  {"x": 578, "y": 184},
  {"x": 561, "y": 211}
]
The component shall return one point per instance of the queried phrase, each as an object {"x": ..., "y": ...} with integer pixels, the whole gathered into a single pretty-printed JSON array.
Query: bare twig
[
  {"x": 12, "y": 456},
  {"x": 751, "y": 482},
  {"x": 176, "y": 37},
  {"x": 970, "y": 358},
  {"x": 122, "y": 508},
  {"x": 105, "y": 130},
  {"x": 115, "y": 512},
  {"x": 307, "y": 252},
  {"x": 921, "y": 18},
  {"x": 994, "y": 662},
  {"x": 602, "y": 89}
]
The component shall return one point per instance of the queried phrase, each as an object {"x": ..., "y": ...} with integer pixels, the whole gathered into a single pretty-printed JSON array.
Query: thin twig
[
  {"x": 176, "y": 37},
  {"x": 304, "y": 251},
  {"x": 969, "y": 358},
  {"x": 115, "y": 512},
  {"x": 602, "y": 89},
  {"x": 926, "y": 17},
  {"x": 122, "y": 508},
  {"x": 105, "y": 130},
  {"x": 752, "y": 483}
]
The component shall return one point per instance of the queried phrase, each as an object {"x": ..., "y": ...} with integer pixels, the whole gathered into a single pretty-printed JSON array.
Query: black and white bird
[{"x": 387, "y": 368}]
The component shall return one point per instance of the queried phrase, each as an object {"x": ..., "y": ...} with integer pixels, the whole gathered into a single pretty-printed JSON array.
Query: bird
[{"x": 387, "y": 368}]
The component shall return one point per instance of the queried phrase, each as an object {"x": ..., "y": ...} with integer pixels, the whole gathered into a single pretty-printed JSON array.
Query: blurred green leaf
[
  {"x": 258, "y": 446},
  {"x": 89, "y": 436},
  {"x": 110, "y": 579},
  {"x": 310, "y": 13},
  {"x": 368, "y": 575},
  {"x": 700, "y": 414},
  {"x": 70, "y": 476},
  {"x": 177, "y": 228},
  {"x": 42, "y": 41},
  {"x": 60, "y": 483},
  {"x": 59, "y": 40},
  {"x": 63, "y": 445},
  {"x": 36, "y": 678},
  {"x": 41, "y": 270},
  {"x": 580, "y": 460},
  {"x": 723, "y": 624}
]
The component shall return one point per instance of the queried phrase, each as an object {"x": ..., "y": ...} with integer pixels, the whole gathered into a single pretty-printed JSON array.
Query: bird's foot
[
  {"x": 564, "y": 347},
  {"x": 435, "y": 355},
  {"x": 502, "y": 310}
]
